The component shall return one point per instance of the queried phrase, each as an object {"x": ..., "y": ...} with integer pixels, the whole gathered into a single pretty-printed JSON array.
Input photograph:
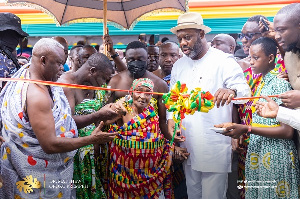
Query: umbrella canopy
[{"x": 122, "y": 12}]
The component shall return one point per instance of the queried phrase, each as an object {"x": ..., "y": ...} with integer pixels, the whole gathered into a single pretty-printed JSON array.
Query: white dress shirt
[
  {"x": 290, "y": 117},
  {"x": 209, "y": 151}
]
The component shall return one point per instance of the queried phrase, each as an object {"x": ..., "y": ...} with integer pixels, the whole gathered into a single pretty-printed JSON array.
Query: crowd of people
[{"x": 66, "y": 142}]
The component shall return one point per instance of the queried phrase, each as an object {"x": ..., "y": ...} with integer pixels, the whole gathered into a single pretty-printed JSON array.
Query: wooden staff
[{"x": 105, "y": 30}]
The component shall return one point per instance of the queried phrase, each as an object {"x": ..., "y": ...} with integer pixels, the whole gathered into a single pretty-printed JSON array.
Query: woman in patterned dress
[
  {"x": 140, "y": 156},
  {"x": 272, "y": 169}
]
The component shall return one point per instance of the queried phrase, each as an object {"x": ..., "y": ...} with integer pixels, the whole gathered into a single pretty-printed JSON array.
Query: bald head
[
  {"x": 47, "y": 59},
  {"x": 100, "y": 62},
  {"x": 99, "y": 69},
  {"x": 45, "y": 46},
  {"x": 287, "y": 27},
  {"x": 224, "y": 42}
]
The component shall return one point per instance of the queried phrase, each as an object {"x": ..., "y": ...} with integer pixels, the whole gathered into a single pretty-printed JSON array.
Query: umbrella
[{"x": 122, "y": 12}]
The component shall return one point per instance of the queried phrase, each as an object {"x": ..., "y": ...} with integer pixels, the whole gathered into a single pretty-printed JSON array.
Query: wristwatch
[
  {"x": 235, "y": 92},
  {"x": 114, "y": 56},
  {"x": 249, "y": 130}
]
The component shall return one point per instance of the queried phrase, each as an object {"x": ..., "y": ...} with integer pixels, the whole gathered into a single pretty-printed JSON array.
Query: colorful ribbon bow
[{"x": 180, "y": 102}]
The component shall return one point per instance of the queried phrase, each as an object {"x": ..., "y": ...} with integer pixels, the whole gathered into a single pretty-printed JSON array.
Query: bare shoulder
[
  {"x": 66, "y": 78},
  {"x": 159, "y": 84},
  {"x": 40, "y": 103},
  {"x": 158, "y": 73},
  {"x": 115, "y": 80}
]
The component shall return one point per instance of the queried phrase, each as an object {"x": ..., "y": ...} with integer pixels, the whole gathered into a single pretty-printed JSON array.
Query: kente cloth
[
  {"x": 29, "y": 172},
  {"x": 167, "y": 79},
  {"x": 245, "y": 113},
  {"x": 140, "y": 159},
  {"x": 272, "y": 167},
  {"x": 88, "y": 169}
]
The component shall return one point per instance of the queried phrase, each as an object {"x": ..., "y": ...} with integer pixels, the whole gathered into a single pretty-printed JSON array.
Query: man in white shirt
[{"x": 207, "y": 167}]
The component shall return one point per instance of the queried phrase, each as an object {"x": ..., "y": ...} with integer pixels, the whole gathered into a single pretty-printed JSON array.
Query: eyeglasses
[{"x": 248, "y": 36}]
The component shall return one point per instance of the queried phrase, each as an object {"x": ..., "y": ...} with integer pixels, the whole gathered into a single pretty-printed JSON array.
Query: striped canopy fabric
[
  {"x": 122, "y": 12},
  {"x": 223, "y": 16}
]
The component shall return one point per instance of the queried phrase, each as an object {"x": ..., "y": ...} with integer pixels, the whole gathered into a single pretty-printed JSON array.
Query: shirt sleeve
[
  {"x": 290, "y": 117},
  {"x": 234, "y": 79}
]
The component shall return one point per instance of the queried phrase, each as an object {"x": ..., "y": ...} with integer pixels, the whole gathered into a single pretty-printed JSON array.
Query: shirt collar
[{"x": 268, "y": 77}]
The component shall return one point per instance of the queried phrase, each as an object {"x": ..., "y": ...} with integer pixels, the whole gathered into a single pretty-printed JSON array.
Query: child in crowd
[
  {"x": 140, "y": 156},
  {"x": 272, "y": 168}
]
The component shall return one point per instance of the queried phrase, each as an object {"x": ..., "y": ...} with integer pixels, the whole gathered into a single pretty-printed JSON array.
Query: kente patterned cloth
[
  {"x": 245, "y": 113},
  {"x": 272, "y": 167},
  {"x": 88, "y": 169},
  {"x": 140, "y": 159},
  {"x": 21, "y": 154},
  {"x": 167, "y": 79}
]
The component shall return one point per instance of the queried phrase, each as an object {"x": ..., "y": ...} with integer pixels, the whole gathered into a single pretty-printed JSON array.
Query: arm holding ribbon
[{"x": 235, "y": 84}]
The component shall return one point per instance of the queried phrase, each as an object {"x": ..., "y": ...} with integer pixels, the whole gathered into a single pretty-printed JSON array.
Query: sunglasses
[{"x": 248, "y": 36}]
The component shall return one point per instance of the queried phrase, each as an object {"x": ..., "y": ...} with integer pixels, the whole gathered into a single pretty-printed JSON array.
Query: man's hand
[
  {"x": 108, "y": 41},
  {"x": 118, "y": 107},
  {"x": 99, "y": 137},
  {"x": 178, "y": 137},
  {"x": 180, "y": 154},
  {"x": 236, "y": 131},
  {"x": 111, "y": 112},
  {"x": 223, "y": 96},
  {"x": 236, "y": 143},
  {"x": 269, "y": 33},
  {"x": 224, "y": 125},
  {"x": 291, "y": 99},
  {"x": 283, "y": 75},
  {"x": 267, "y": 109}
]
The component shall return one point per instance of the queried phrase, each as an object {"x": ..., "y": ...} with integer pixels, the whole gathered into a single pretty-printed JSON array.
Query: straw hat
[{"x": 190, "y": 20}]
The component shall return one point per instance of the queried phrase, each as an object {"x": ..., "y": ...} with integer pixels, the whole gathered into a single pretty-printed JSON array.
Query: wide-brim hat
[
  {"x": 9, "y": 21},
  {"x": 190, "y": 20}
]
